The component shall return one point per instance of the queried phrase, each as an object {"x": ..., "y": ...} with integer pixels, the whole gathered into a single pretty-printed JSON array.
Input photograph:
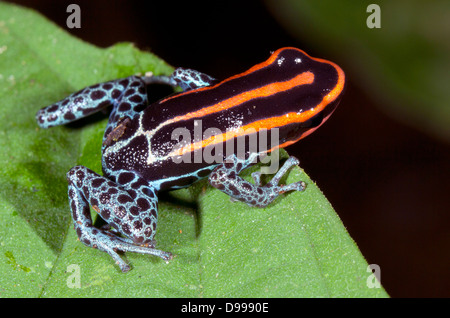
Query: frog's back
[{"x": 286, "y": 92}]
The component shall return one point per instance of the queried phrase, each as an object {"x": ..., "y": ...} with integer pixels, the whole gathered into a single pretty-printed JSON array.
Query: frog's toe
[{"x": 146, "y": 250}]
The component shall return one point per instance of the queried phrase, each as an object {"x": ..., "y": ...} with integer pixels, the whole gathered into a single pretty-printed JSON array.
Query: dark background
[{"x": 387, "y": 181}]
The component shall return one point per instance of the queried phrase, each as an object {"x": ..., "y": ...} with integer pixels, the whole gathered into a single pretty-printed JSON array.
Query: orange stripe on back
[
  {"x": 264, "y": 91},
  {"x": 254, "y": 68},
  {"x": 271, "y": 122},
  {"x": 267, "y": 90}
]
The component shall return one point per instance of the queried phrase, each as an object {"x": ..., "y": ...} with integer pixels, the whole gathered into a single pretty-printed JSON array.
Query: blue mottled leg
[
  {"x": 189, "y": 79},
  {"x": 127, "y": 95},
  {"x": 132, "y": 100},
  {"x": 225, "y": 177},
  {"x": 186, "y": 78},
  {"x": 130, "y": 210}
]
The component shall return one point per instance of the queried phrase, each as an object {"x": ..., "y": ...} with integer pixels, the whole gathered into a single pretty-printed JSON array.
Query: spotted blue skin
[
  {"x": 126, "y": 201},
  {"x": 226, "y": 178}
]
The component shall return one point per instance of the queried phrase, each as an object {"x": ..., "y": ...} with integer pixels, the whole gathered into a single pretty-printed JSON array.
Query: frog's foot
[
  {"x": 129, "y": 208},
  {"x": 225, "y": 178},
  {"x": 112, "y": 244},
  {"x": 189, "y": 79}
]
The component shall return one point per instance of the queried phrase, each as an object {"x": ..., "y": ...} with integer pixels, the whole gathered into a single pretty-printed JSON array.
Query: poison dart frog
[{"x": 287, "y": 96}]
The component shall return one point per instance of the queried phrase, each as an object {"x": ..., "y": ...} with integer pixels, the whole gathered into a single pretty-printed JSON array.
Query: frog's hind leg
[
  {"x": 134, "y": 97},
  {"x": 130, "y": 210},
  {"x": 127, "y": 95},
  {"x": 92, "y": 99},
  {"x": 129, "y": 99}
]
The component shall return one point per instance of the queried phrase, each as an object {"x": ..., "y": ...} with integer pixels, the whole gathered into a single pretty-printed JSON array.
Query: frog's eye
[{"x": 280, "y": 61}]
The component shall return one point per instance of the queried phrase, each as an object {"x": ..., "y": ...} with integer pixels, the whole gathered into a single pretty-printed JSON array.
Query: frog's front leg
[
  {"x": 225, "y": 177},
  {"x": 189, "y": 79},
  {"x": 130, "y": 210}
]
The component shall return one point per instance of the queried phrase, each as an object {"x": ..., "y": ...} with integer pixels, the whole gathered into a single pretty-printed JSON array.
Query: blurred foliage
[{"x": 404, "y": 65}]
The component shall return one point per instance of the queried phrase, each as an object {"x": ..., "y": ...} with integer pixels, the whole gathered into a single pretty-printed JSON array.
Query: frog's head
[{"x": 309, "y": 90}]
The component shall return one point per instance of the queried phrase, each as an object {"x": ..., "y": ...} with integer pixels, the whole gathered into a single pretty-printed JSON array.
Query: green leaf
[{"x": 297, "y": 247}]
